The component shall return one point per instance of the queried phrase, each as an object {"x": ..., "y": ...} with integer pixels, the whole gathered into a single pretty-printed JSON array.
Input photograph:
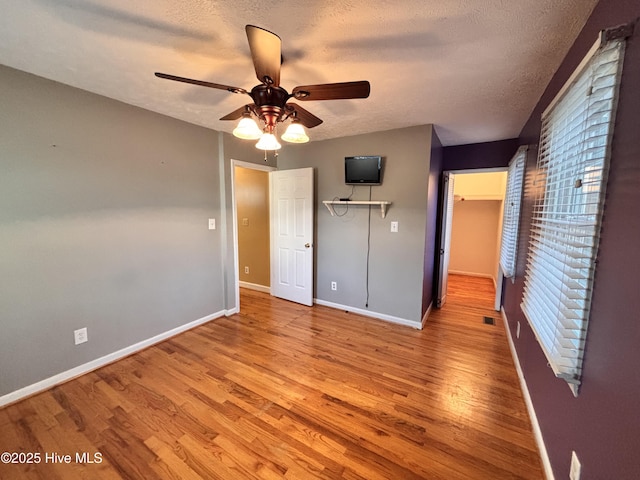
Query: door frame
[
  {"x": 447, "y": 184},
  {"x": 442, "y": 225},
  {"x": 234, "y": 213}
]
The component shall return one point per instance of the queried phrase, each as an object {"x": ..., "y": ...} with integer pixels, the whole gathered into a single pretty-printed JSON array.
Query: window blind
[
  {"x": 511, "y": 213},
  {"x": 572, "y": 167}
]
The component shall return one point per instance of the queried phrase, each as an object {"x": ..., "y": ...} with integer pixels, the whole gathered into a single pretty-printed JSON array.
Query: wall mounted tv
[{"x": 363, "y": 170}]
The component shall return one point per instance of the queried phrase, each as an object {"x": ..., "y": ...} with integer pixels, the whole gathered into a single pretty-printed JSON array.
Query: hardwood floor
[{"x": 287, "y": 391}]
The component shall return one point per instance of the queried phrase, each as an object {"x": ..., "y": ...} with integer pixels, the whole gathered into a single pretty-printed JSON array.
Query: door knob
[{"x": 307, "y": 245}]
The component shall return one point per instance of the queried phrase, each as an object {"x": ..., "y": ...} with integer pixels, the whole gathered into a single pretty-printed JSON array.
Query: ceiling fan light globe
[
  {"x": 295, "y": 134},
  {"x": 268, "y": 141},
  {"x": 247, "y": 129}
]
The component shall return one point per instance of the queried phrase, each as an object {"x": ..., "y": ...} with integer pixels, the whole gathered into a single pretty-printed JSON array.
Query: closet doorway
[{"x": 471, "y": 226}]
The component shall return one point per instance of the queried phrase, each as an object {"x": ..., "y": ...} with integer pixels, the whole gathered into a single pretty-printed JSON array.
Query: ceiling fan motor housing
[{"x": 270, "y": 103}]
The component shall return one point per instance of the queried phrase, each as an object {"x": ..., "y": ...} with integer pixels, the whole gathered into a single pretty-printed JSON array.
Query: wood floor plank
[{"x": 288, "y": 391}]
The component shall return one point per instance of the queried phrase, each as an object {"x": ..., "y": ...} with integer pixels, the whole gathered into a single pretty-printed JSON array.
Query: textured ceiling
[{"x": 475, "y": 69}]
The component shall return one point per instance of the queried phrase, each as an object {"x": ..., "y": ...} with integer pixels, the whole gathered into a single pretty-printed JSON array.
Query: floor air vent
[{"x": 489, "y": 320}]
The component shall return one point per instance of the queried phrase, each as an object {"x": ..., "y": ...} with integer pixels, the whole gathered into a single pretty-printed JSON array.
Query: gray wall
[
  {"x": 397, "y": 259},
  {"x": 103, "y": 224}
]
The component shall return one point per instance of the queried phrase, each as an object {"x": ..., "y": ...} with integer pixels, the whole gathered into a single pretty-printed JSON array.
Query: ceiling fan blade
[
  {"x": 306, "y": 118},
  {"x": 266, "y": 52},
  {"x": 332, "y": 91},
  {"x": 236, "y": 114},
  {"x": 201, "y": 83}
]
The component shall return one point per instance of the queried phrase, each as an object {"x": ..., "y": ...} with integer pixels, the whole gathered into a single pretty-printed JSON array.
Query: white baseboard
[
  {"x": 544, "y": 456},
  {"x": 471, "y": 274},
  {"x": 255, "y": 286},
  {"x": 50, "y": 382},
  {"x": 369, "y": 313},
  {"x": 426, "y": 315}
]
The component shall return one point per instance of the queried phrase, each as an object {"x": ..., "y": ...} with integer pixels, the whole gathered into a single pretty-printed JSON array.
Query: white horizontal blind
[
  {"x": 571, "y": 174},
  {"x": 511, "y": 213}
]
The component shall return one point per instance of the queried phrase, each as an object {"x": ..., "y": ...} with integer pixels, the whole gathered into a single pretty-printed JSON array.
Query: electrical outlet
[
  {"x": 245, "y": 222},
  {"x": 394, "y": 227},
  {"x": 246, "y": 270},
  {"x": 518, "y": 330},
  {"x": 334, "y": 286},
  {"x": 212, "y": 224},
  {"x": 80, "y": 335},
  {"x": 574, "y": 473}
]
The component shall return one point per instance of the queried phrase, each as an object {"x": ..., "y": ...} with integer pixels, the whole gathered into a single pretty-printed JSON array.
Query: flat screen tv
[{"x": 363, "y": 170}]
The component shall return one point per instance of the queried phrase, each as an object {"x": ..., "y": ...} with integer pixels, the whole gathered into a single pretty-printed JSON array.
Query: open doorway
[
  {"x": 471, "y": 226},
  {"x": 273, "y": 231},
  {"x": 251, "y": 200}
]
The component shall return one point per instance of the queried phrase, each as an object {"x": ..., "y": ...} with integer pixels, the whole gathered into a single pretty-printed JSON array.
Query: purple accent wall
[
  {"x": 479, "y": 155},
  {"x": 602, "y": 424},
  {"x": 435, "y": 170}
]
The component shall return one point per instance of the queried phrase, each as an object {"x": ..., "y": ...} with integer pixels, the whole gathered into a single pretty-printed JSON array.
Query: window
[
  {"x": 570, "y": 181},
  {"x": 511, "y": 215}
]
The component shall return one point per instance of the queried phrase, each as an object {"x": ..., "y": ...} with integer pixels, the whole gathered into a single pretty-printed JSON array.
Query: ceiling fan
[{"x": 270, "y": 101}]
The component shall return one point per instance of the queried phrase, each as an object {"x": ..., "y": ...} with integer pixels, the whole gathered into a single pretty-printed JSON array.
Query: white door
[
  {"x": 292, "y": 234},
  {"x": 445, "y": 238}
]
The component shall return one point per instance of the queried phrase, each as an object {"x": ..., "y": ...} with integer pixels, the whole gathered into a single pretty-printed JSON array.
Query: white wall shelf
[{"x": 383, "y": 205}]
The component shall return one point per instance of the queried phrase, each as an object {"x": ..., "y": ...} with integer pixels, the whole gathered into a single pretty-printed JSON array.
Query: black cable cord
[
  {"x": 347, "y": 208},
  {"x": 368, "y": 249},
  {"x": 335, "y": 199}
]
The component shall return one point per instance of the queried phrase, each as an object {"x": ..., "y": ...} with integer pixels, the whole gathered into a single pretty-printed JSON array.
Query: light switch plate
[
  {"x": 212, "y": 224},
  {"x": 80, "y": 336},
  {"x": 394, "y": 227}
]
